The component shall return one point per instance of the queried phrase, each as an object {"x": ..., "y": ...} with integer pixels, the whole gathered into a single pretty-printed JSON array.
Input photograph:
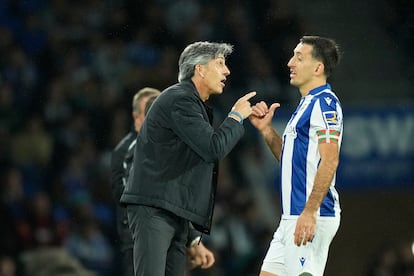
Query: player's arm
[
  {"x": 305, "y": 227},
  {"x": 324, "y": 175},
  {"x": 273, "y": 141}
]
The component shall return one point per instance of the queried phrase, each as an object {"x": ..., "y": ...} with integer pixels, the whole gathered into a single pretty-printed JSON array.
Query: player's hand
[
  {"x": 261, "y": 116},
  {"x": 305, "y": 228}
]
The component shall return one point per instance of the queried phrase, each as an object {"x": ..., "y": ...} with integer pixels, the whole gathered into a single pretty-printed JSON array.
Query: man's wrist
[
  {"x": 268, "y": 131},
  {"x": 195, "y": 241},
  {"x": 236, "y": 116}
]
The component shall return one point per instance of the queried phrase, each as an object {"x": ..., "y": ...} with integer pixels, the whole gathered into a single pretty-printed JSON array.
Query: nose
[
  {"x": 290, "y": 62},
  {"x": 226, "y": 71}
]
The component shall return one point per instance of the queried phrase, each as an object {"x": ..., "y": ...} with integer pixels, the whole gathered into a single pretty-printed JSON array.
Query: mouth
[{"x": 223, "y": 82}]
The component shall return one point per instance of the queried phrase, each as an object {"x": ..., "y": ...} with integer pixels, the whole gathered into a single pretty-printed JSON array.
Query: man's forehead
[
  {"x": 303, "y": 48},
  {"x": 220, "y": 56}
]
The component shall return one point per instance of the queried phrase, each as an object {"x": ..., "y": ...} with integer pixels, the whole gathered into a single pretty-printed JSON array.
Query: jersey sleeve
[{"x": 328, "y": 119}]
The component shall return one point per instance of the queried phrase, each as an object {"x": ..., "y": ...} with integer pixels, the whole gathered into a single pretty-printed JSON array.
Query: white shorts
[{"x": 284, "y": 258}]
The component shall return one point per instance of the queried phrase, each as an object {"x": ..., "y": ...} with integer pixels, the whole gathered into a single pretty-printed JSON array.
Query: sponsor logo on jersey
[
  {"x": 328, "y": 100},
  {"x": 331, "y": 118}
]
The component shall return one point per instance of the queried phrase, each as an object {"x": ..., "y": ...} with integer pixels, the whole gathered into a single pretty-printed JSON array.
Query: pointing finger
[{"x": 248, "y": 96}]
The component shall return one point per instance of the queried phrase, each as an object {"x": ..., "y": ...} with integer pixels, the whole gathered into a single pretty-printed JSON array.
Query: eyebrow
[
  {"x": 299, "y": 53},
  {"x": 220, "y": 59}
]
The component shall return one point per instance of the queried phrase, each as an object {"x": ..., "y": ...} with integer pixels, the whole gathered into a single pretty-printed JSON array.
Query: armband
[{"x": 238, "y": 114}]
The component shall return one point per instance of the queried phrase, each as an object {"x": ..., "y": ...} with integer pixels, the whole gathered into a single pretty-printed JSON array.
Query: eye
[{"x": 299, "y": 57}]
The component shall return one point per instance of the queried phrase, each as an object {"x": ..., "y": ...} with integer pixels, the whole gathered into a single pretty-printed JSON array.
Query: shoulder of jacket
[
  {"x": 126, "y": 141},
  {"x": 184, "y": 91}
]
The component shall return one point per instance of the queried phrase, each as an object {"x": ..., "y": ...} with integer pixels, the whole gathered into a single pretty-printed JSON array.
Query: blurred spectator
[
  {"x": 7, "y": 266},
  {"x": 88, "y": 244},
  {"x": 52, "y": 262},
  {"x": 57, "y": 109},
  {"x": 9, "y": 121},
  {"x": 394, "y": 260},
  {"x": 45, "y": 230},
  {"x": 397, "y": 19},
  {"x": 32, "y": 149},
  {"x": 33, "y": 133},
  {"x": 13, "y": 212},
  {"x": 9, "y": 118},
  {"x": 262, "y": 77},
  {"x": 33, "y": 36}
]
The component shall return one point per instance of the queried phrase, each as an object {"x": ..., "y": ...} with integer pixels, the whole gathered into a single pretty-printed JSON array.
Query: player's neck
[{"x": 306, "y": 88}]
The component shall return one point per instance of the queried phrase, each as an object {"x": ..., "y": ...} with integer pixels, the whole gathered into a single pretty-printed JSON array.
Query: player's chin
[{"x": 294, "y": 82}]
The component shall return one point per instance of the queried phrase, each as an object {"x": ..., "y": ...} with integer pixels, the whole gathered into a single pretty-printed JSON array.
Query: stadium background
[{"x": 68, "y": 70}]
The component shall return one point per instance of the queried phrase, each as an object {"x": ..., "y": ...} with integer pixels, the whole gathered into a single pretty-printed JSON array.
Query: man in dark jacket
[
  {"x": 174, "y": 174},
  {"x": 122, "y": 157}
]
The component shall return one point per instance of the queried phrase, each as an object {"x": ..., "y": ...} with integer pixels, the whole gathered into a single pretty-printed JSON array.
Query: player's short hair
[{"x": 325, "y": 50}]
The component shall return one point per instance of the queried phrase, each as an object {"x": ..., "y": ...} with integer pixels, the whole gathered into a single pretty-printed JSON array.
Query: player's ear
[{"x": 320, "y": 68}]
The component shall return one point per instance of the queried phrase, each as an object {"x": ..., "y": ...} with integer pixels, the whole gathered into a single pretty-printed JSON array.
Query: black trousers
[
  {"x": 127, "y": 262},
  {"x": 125, "y": 241},
  {"x": 160, "y": 239}
]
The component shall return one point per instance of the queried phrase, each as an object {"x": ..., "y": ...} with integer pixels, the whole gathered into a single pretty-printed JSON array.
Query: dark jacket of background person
[
  {"x": 176, "y": 156},
  {"x": 121, "y": 156}
]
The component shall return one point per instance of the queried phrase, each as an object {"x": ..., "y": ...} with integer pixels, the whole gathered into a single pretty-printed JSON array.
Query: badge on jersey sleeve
[
  {"x": 327, "y": 136},
  {"x": 333, "y": 131},
  {"x": 331, "y": 119}
]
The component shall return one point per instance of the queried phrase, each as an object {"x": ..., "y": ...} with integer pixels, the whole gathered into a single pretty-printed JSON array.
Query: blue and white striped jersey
[{"x": 317, "y": 119}]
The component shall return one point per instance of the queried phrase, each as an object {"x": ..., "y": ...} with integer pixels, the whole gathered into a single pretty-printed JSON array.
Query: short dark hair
[{"x": 325, "y": 50}]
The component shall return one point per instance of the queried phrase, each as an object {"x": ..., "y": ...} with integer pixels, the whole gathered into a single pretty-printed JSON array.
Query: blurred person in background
[
  {"x": 44, "y": 230},
  {"x": 308, "y": 153},
  {"x": 173, "y": 179},
  {"x": 393, "y": 258},
  {"x": 119, "y": 163},
  {"x": 88, "y": 243},
  {"x": 7, "y": 266},
  {"x": 52, "y": 262},
  {"x": 122, "y": 157}
]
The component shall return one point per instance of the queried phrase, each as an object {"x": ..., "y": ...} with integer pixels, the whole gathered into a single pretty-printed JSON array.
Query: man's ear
[
  {"x": 320, "y": 68},
  {"x": 199, "y": 70}
]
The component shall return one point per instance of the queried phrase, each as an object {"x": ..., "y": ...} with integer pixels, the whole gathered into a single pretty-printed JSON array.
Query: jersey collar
[{"x": 319, "y": 89}]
